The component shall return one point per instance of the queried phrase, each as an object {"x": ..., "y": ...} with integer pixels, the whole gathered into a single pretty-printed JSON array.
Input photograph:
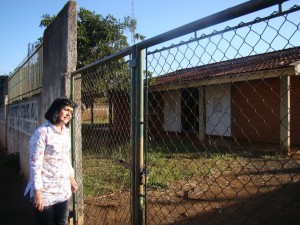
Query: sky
[{"x": 19, "y": 19}]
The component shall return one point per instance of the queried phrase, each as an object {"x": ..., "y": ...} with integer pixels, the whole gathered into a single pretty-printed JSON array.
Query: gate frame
[{"x": 138, "y": 169}]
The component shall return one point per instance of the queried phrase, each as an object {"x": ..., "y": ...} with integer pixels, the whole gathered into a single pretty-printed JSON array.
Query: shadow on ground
[
  {"x": 278, "y": 207},
  {"x": 14, "y": 208}
]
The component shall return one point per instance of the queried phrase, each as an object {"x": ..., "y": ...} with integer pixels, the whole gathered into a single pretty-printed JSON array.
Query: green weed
[{"x": 166, "y": 163}]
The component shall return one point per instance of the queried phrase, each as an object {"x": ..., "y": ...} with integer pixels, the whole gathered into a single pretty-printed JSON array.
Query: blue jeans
[{"x": 57, "y": 214}]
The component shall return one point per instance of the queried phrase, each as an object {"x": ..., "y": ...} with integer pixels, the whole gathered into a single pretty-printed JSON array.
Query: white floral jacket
[{"x": 50, "y": 164}]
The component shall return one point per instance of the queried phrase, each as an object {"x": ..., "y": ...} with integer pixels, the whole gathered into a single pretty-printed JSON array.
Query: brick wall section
[
  {"x": 256, "y": 110},
  {"x": 156, "y": 115},
  {"x": 121, "y": 112}
]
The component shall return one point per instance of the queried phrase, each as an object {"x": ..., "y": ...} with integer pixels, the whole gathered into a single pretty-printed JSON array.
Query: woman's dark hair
[{"x": 56, "y": 106}]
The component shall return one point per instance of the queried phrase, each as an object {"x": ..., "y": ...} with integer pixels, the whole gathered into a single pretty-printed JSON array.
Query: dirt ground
[
  {"x": 267, "y": 194},
  {"x": 14, "y": 208},
  {"x": 263, "y": 192}
]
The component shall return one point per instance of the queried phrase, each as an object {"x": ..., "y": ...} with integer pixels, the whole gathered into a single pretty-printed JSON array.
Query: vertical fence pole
[
  {"x": 285, "y": 115},
  {"x": 76, "y": 146},
  {"x": 137, "y": 137},
  {"x": 140, "y": 150},
  {"x": 132, "y": 131},
  {"x": 74, "y": 197}
]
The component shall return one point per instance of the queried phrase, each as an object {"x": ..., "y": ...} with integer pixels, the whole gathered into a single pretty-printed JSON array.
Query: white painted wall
[
  {"x": 218, "y": 110},
  {"x": 172, "y": 111}
]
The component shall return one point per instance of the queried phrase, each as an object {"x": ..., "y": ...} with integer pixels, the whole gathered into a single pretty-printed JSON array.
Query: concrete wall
[
  {"x": 59, "y": 59},
  {"x": 19, "y": 120},
  {"x": 59, "y": 55},
  {"x": 22, "y": 120}
]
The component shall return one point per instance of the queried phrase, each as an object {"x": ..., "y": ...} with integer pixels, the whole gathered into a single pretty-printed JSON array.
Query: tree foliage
[
  {"x": 3, "y": 88},
  {"x": 99, "y": 36},
  {"x": 46, "y": 20}
]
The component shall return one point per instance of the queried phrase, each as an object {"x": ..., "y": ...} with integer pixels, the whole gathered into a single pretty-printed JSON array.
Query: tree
[
  {"x": 3, "y": 88},
  {"x": 97, "y": 37}
]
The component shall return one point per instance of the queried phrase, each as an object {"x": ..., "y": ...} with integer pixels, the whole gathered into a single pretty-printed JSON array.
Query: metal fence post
[
  {"x": 74, "y": 197},
  {"x": 76, "y": 147},
  {"x": 137, "y": 134}
]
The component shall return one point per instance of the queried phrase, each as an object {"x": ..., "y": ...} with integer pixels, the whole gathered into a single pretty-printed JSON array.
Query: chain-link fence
[
  {"x": 221, "y": 128},
  {"x": 221, "y": 120},
  {"x": 105, "y": 133}
]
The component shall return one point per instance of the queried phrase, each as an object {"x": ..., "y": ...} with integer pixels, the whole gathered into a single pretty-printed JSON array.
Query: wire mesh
[
  {"x": 223, "y": 134},
  {"x": 221, "y": 129},
  {"x": 105, "y": 134}
]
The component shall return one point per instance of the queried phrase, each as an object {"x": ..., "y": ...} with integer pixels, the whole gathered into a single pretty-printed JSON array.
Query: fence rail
[
  {"x": 198, "y": 131},
  {"x": 26, "y": 80}
]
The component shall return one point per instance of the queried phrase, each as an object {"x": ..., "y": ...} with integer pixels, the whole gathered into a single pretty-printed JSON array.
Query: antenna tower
[{"x": 132, "y": 17}]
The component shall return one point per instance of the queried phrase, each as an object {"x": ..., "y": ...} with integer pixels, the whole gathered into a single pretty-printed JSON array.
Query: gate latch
[{"x": 143, "y": 177}]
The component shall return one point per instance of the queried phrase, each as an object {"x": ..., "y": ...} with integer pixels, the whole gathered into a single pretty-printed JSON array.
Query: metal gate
[{"x": 203, "y": 130}]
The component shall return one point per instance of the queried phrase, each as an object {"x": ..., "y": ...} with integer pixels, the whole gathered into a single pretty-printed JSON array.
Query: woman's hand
[
  {"x": 74, "y": 186},
  {"x": 38, "y": 201}
]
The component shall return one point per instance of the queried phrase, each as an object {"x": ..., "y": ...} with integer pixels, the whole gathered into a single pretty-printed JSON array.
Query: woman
[{"x": 51, "y": 173}]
